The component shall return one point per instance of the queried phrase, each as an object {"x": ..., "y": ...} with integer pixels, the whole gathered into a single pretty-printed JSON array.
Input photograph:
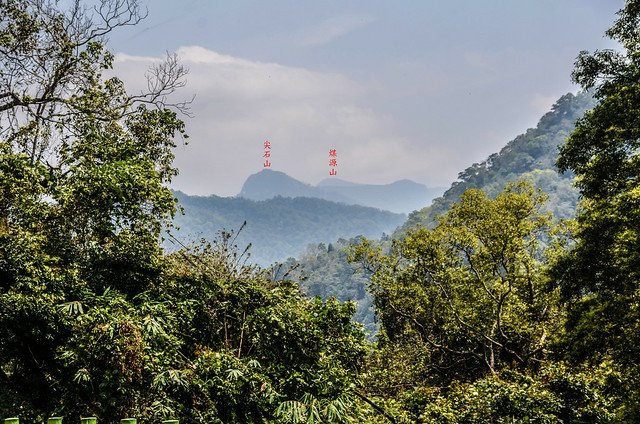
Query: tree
[
  {"x": 95, "y": 319},
  {"x": 83, "y": 196},
  {"x": 601, "y": 274},
  {"x": 557, "y": 394},
  {"x": 214, "y": 341},
  {"x": 470, "y": 320},
  {"x": 98, "y": 159},
  {"x": 471, "y": 292}
]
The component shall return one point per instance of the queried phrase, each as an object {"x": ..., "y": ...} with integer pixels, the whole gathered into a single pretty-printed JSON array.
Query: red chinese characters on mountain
[
  {"x": 266, "y": 154},
  {"x": 333, "y": 162}
]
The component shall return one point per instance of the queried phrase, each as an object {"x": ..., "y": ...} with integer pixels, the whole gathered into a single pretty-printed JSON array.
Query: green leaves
[
  {"x": 558, "y": 395},
  {"x": 603, "y": 149},
  {"x": 94, "y": 316},
  {"x": 600, "y": 274},
  {"x": 313, "y": 411},
  {"x": 471, "y": 294}
]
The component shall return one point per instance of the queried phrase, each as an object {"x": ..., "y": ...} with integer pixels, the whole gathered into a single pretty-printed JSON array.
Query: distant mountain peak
[
  {"x": 268, "y": 184},
  {"x": 270, "y": 174},
  {"x": 402, "y": 196}
]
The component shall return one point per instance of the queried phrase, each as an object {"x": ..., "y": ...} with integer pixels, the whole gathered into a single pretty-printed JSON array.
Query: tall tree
[
  {"x": 601, "y": 274},
  {"x": 83, "y": 174},
  {"x": 97, "y": 158},
  {"x": 471, "y": 292}
]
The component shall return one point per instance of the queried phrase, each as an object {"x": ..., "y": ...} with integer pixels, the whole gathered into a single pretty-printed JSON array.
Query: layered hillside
[
  {"x": 531, "y": 156},
  {"x": 403, "y": 196},
  {"x": 280, "y": 227}
]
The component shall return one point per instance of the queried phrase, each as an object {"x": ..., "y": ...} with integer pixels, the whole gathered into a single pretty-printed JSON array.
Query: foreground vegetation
[{"x": 497, "y": 313}]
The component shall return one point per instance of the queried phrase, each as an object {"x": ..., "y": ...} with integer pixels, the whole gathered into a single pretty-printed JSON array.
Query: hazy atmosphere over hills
[
  {"x": 279, "y": 227},
  {"x": 402, "y": 196},
  {"x": 284, "y": 215},
  {"x": 530, "y": 156}
]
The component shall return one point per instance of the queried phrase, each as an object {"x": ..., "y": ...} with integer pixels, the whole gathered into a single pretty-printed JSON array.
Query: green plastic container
[
  {"x": 14, "y": 420},
  {"x": 54, "y": 420},
  {"x": 171, "y": 422},
  {"x": 88, "y": 420},
  {"x": 128, "y": 421}
]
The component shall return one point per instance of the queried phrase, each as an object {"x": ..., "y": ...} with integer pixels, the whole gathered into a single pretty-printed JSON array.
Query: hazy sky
[{"x": 401, "y": 89}]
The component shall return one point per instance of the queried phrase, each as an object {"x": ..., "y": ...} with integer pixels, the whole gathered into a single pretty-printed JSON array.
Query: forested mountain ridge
[
  {"x": 324, "y": 270},
  {"x": 403, "y": 196},
  {"x": 531, "y": 156},
  {"x": 280, "y": 227}
]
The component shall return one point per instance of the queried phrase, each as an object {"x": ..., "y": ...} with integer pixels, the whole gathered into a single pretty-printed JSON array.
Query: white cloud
[
  {"x": 334, "y": 28},
  {"x": 240, "y": 103}
]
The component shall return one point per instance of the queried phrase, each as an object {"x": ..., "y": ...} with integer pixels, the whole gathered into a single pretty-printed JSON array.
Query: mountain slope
[
  {"x": 400, "y": 196},
  {"x": 530, "y": 156},
  {"x": 280, "y": 227}
]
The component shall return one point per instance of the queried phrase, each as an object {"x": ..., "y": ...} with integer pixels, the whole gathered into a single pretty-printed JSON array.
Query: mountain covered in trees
[
  {"x": 279, "y": 227},
  {"x": 530, "y": 156},
  {"x": 402, "y": 196},
  {"x": 324, "y": 270}
]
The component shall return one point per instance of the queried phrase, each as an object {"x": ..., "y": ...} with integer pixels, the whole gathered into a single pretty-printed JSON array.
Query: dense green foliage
[
  {"x": 325, "y": 271},
  {"x": 272, "y": 236},
  {"x": 492, "y": 313},
  {"x": 95, "y": 319},
  {"x": 471, "y": 291},
  {"x": 530, "y": 156},
  {"x": 470, "y": 321},
  {"x": 252, "y": 349},
  {"x": 601, "y": 274}
]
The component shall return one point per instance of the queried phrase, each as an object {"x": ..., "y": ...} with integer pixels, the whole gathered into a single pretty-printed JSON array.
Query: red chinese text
[
  {"x": 333, "y": 162},
  {"x": 266, "y": 154}
]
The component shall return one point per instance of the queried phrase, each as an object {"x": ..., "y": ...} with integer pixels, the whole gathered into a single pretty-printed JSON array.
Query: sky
[{"x": 400, "y": 89}]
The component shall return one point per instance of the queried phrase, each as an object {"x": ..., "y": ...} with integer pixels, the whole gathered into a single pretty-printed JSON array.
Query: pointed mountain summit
[
  {"x": 268, "y": 184},
  {"x": 401, "y": 196}
]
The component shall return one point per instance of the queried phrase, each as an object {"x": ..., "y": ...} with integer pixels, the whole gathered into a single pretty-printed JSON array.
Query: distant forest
[{"x": 277, "y": 228}]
